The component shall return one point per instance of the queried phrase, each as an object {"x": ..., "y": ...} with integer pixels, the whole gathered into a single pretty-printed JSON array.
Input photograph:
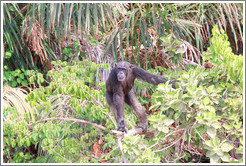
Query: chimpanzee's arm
[{"x": 150, "y": 78}]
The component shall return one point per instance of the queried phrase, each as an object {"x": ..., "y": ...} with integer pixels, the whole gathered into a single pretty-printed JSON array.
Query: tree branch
[
  {"x": 120, "y": 135},
  {"x": 73, "y": 120},
  {"x": 114, "y": 132}
]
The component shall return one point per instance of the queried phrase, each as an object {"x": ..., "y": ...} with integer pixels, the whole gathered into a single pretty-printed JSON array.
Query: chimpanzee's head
[{"x": 122, "y": 70}]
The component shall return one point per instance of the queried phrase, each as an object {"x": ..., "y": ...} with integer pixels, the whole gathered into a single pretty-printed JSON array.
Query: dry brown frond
[{"x": 33, "y": 37}]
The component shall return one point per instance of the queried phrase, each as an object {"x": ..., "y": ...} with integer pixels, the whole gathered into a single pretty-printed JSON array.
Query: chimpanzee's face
[
  {"x": 123, "y": 70},
  {"x": 121, "y": 73}
]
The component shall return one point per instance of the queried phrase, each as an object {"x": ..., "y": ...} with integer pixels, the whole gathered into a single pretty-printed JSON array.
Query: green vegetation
[{"x": 57, "y": 57}]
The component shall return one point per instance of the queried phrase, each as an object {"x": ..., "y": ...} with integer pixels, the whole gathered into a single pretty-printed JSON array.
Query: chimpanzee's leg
[
  {"x": 132, "y": 100},
  {"x": 116, "y": 102}
]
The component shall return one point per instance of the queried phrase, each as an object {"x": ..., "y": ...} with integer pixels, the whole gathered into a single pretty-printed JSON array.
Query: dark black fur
[{"x": 118, "y": 92}]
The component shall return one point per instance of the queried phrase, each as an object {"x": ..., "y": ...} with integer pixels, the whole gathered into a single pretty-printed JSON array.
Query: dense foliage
[
  {"x": 36, "y": 33},
  {"x": 211, "y": 112},
  {"x": 204, "y": 124}
]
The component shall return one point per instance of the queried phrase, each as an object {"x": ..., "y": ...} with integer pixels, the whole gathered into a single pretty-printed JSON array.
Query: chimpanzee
[{"x": 119, "y": 90}]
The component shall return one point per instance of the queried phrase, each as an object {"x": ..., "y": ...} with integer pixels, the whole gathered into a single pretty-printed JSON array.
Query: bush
[
  {"x": 209, "y": 116},
  {"x": 204, "y": 124}
]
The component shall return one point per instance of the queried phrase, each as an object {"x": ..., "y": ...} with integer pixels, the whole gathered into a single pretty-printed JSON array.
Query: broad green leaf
[
  {"x": 241, "y": 140},
  {"x": 168, "y": 122},
  {"x": 240, "y": 150},
  {"x": 206, "y": 101},
  {"x": 219, "y": 152},
  {"x": 216, "y": 125},
  {"x": 211, "y": 115},
  {"x": 216, "y": 141},
  {"x": 164, "y": 129},
  {"x": 214, "y": 159},
  {"x": 226, "y": 147},
  {"x": 27, "y": 141},
  {"x": 209, "y": 143},
  {"x": 155, "y": 106},
  {"x": 211, "y": 132},
  {"x": 13, "y": 143},
  {"x": 136, "y": 151},
  {"x": 177, "y": 115},
  {"x": 21, "y": 75},
  {"x": 19, "y": 80},
  {"x": 8, "y": 54},
  {"x": 225, "y": 157},
  {"x": 238, "y": 126},
  {"x": 180, "y": 50},
  {"x": 227, "y": 127},
  {"x": 14, "y": 83}
]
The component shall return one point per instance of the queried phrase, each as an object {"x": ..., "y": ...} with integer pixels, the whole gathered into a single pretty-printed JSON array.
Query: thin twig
[
  {"x": 117, "y": 147},
  {"x": 62, "y": 156},
  {"x": 182, "y": 144},
  {"x": 200, "y": 135},
  {"x": 66, "y": 129},
  {"x": 190, "y": 132},
  {"x": 169, "y": 145},
  {"x": 112, "y": 120},
  {"x": 173, "y": 132}
]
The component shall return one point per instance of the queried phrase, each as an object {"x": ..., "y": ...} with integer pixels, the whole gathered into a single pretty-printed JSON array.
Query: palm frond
[{"x": 15, "y": 97}]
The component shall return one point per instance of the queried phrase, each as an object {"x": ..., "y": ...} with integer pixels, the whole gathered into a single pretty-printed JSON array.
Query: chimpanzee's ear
[{"x": 131, "y": 66}]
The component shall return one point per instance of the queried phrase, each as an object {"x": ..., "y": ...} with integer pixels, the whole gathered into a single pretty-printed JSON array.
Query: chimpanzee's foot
[
  {"x": 121, "y": 126},
  {"x": 143, "y": 126},
  {"x": 122, "y": 129}
]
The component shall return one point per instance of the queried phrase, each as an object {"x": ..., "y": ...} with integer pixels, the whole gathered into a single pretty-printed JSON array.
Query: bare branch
[
  {"x": 169, "y": 145},
  {"x": 118, "y": 134},
  {"x": 73, "y": 120},
  {"x": 200, "y": 135}
]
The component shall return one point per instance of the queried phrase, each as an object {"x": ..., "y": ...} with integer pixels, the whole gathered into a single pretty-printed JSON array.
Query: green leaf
[
  {"x": 93, "y": 41},
  {"x": 211, "y": 115},
  {"x": 216, "y": 141},
  {"x": 168, "y": 122},
  {"x": 227, "y": 127},
  {"x": 238, "y": 126},
  {"x": 28, "y": 143},
  {"x": 216, "y": 125},
  {"x": 19, "y": 80},
  {"x": 177, "y": 115},
  {"x": 21, "y": 75},
  {"x": 226, "y": 147},
  {"x": 8, "y": 54},
  {"x": 241, "y": 140},
  {"x": 214, "y": 159},
  {"x": 177, "y": 105},
  {"x": 13, "y": 142},
  {"x": 219, "y": 152},
  {"x": 225, "y": 157},
  {"x": 211, "y": 132},
  {"x": 163, "y": 129},
  {"x": 206, "y": 101},
  {"x": 136, "y": 151},
  {"x": 14, "y": 83},
  {"x": 24, "y": 83},
  {"x": 180, "y": 50},
  {"x": 209, "y": 143},
  {"x": 240, "y": 150}
]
